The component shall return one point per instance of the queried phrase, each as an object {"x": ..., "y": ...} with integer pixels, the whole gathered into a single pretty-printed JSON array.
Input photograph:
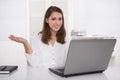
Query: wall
[
  {"x": 13, "y": 18},
  {"x": 98, "y": 17},
  {"x": 36, "y": 10}
]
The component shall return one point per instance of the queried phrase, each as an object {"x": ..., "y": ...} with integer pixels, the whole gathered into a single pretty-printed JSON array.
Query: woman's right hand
[
  {"x": 27, "y": 46},
  {"x": 17, "y": 39}
]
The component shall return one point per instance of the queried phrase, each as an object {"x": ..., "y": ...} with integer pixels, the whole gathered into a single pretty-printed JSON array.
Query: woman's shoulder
[{"x": 36, "y": 37}]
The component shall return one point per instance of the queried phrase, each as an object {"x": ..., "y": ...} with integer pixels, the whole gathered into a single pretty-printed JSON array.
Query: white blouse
[{"x": 47, "y": 55}]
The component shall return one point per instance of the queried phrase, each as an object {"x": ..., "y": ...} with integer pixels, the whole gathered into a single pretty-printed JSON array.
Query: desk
[
  {"x": 112, "y": 73},
  {"x": 19, "y": 74},
  {"x": 12, "y": 53}
]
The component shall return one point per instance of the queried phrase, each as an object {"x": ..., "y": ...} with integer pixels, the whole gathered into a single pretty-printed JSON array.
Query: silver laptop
[{"x": 87, "y": 56}]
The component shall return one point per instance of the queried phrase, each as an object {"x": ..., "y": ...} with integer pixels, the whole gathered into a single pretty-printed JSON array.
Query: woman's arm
[
  {"x": 32, "y": 57},
  {"x": 26, "y": 44}
]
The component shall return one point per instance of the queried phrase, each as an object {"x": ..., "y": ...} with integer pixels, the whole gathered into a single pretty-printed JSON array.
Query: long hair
[{"x": 46, "y": 33}]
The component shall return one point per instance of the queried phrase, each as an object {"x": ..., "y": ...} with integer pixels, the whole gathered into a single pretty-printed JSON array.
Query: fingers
[
  {"x": 12, "y": 37},
  {"x": 17, "y": 39}
]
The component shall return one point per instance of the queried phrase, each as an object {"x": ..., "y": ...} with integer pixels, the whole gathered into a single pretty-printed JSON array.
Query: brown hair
[{"x": 46, "y": 34}]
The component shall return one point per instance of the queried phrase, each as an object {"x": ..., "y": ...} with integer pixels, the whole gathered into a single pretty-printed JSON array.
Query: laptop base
[{"x": 57, "y": 72}]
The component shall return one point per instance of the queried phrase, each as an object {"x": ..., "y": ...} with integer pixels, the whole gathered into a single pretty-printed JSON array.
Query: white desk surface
[
  {"x": 12, "y": 53},
  {"x": 112, "y": 73},
  {"x": 19, "y": 74}
]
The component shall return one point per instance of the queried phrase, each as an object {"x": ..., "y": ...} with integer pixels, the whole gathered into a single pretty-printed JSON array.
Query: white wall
[
  {"x": 97, "y": 17},
  {"x": 36, "y": 10},
  {"x": 13, "y": 18}
]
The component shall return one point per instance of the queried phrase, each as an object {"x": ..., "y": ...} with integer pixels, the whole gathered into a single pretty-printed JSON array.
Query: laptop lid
[{"x": 88, "y": 55}]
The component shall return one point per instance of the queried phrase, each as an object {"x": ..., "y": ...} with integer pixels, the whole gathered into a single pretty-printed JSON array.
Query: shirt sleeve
[{"x": 34, "y": 59}]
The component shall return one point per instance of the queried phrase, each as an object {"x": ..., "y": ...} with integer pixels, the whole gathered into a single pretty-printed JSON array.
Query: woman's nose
[{"x": 57, "y": 22}]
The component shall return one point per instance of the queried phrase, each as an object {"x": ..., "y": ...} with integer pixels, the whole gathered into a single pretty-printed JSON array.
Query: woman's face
[{"x": 55, "y": 21}]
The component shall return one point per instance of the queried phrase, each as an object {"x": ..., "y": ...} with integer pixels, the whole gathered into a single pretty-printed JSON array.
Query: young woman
[{"x": 50, "y": 46}]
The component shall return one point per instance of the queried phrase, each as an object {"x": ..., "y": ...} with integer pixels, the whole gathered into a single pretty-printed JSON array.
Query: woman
[{"x": 49, "y": 47}]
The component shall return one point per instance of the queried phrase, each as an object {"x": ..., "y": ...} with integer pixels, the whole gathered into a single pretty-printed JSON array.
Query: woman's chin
[{"x": 56, "y": 30}]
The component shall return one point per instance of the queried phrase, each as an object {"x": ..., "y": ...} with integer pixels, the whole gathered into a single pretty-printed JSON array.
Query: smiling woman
[
  {"x": 50, "y": 46},
  {"x": 55, "y": 21}
]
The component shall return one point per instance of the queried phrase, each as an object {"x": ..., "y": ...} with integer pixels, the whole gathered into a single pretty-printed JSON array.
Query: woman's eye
[
  {"x": 53, "y": 18},
  {"x": 60, "y": 19},
  {"x": 56, "y": 19}
]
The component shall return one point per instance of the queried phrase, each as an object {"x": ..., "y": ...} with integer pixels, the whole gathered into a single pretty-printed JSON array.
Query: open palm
[{"x": 17, "y": 39}]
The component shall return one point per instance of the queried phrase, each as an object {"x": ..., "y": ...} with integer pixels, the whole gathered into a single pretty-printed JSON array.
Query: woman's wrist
[
  {"x": 25, "y": 42},
  {"x": 27, "y": 47}
]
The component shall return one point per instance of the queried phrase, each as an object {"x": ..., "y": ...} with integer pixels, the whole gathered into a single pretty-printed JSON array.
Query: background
[{"x": 93, "y": 17}]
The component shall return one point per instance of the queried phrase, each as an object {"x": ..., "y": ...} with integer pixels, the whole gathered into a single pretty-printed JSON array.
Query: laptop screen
[{"x": 89, "y": 55}]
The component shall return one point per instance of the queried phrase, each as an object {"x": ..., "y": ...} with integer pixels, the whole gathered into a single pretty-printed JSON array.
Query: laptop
[{"x": 91, "y": 55}]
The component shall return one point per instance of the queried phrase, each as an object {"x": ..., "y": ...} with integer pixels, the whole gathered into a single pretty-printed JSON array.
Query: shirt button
[
  {"x": 52, "y": 54},
  {"x": 53, "y": 58}
]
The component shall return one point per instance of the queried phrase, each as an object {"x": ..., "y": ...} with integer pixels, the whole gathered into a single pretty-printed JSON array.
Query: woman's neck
[
  {"x": 53, "y": 33},
  {"x": 53, "y": 38}
]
